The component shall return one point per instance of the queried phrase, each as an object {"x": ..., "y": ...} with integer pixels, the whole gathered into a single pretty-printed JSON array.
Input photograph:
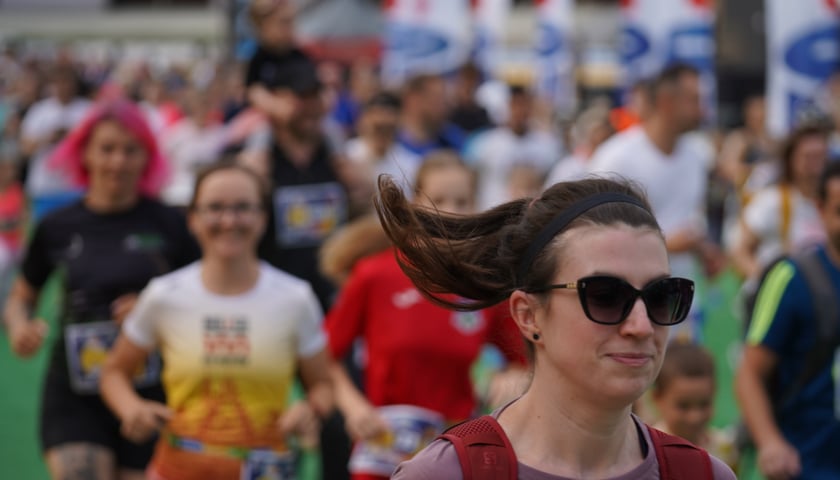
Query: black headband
[{"x": 562, "y": 220}]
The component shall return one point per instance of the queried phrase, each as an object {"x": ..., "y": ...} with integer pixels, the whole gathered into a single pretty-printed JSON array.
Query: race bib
[
  {"x": 268, "y": 465},
  {"x": 306, "y": 214},
  {"x": 410, "y": 430},
  {"x": 87, "y": 347}
]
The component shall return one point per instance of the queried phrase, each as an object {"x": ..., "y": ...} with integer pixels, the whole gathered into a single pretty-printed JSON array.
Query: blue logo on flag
[
  {"x": 634, "y": 44},
  {"x": 815, "y": 55},
  {"x": 412, "y": 42},
  {"x": 549, "y": 40},
  {"x": 694, "y": 45}
]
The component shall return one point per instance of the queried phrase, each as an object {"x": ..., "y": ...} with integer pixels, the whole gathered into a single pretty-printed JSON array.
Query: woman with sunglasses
[
  {"x": 233, "y": 331},
  {"x": 585, "y": 271}
]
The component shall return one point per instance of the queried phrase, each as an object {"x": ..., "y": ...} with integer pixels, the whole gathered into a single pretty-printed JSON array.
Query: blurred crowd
[{"x": 319, "y": 134}]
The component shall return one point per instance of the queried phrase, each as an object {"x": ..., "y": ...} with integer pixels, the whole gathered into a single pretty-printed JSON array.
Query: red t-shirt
[{"x": 417, "y": 353}]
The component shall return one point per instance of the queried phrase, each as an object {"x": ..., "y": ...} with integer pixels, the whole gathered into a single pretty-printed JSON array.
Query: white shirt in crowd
[
  {"x": 43, "y": 121},
  {"x": 266, "y": 329},
  {"x": 398, "y": 162},
  {"x": 494, "y": 153},
  {"x": 763, "y": 216},
  {"x": 572, "y": 168},
  {"x": 675, "y": 184},
  {"x": 188, "y": 147}
]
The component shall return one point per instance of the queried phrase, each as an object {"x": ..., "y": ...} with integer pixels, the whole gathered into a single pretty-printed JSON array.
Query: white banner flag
[
  {"x": 803, "y": 50},
  {"x": 489, "y": 19},
  {"x": 425, "y": 36},
  {"x": 642, "y": 35},
  {"x": 555, "y": 75},
  {"x": 658, "y": 33}
]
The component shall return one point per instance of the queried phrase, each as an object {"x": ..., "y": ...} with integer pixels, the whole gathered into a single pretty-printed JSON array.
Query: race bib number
[
  {"x": 306, "y": 214},
  {"x": 87, "y": 347},
  {"x": 268, "y": 465},
  {"x": 410, "y": 430}
]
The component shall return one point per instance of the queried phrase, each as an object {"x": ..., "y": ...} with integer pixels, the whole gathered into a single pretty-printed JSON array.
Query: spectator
[
  {"x": 44, "y": 125},
  {"x": 783, "y": 218},
  {"x": 670, "y": 167},
  {"x": 517, "y": 143},
  {"x": 193, "y": 142},
  {"x": 684, "y": 393},
  {"x": 376, "y": 151},
  {"x": 591, "y": 129},
  {"x": 748, "y": 162},
  {"x": 276, "y": 54},
  {"x": 423, "y": 123},
  {"x": 466, "y": 113},
  {"x": 363, "y": 85}
]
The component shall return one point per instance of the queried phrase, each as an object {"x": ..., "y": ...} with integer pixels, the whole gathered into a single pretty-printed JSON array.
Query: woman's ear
[{"x": 523, "y": 310}]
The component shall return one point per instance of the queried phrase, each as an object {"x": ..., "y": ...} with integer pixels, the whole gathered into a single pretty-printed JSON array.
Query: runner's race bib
[
  {"x": 306, "y": 214},
  {"x": 87, "y": 347},
  {"x": 269, "y": 465},
  {"x": 410, "y": 430}
]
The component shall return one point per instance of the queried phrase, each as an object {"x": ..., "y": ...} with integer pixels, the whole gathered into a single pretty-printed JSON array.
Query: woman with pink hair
[{"x": 104, "y": 247}]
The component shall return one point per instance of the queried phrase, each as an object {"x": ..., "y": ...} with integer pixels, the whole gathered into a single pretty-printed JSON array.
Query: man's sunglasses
[{"x": 609, "y": 300}]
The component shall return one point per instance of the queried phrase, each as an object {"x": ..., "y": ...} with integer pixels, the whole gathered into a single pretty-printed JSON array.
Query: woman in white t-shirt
[
  {"x": 232, "y": 331},
  {"x": 783, "y": 218}
]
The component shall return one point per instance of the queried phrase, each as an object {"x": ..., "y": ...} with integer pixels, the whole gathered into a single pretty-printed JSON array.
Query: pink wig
[{"x": 68, "y": 156}]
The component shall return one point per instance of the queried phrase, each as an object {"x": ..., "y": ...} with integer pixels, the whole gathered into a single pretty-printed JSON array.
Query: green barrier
[{"x": 20, "y": 398}]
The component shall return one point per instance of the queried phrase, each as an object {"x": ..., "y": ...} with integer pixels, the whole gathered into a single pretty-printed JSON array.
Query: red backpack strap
[
  {"x": 680, "y": 459},
  {"x": 483, "y": 449}
]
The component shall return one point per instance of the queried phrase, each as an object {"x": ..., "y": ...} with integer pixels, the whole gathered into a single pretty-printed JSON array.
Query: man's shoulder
[{"x": 618, "y": 149}]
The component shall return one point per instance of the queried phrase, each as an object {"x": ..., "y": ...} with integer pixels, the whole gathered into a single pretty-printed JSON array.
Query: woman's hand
[
  {"x": 779, "y": 460},
  {"x": 363, "y": 422},
  {"x": 302, "y": 421},
  {"x": 144, "y": 419},
  {"x": 27, "y": 336}
]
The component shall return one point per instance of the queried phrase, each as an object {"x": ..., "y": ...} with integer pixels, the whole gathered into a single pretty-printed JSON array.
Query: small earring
[{"x": 535, "y": 336}]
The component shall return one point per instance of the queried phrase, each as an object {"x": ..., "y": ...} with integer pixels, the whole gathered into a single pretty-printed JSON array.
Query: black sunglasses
[{"x": 609, "y": 300}]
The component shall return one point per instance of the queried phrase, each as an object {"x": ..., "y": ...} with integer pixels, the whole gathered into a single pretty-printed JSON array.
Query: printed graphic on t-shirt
[
  {"x": 143, "y": 242},
  {"x": 226, "y": 340},
  {"x": 468, "y": 322},
  {"x": 407, "y": 298},
  {"x": 410, "y": 429},
  {"x": 87, "y": 348},
  {"x": 268, "y": 465},
  {"x": 306, "y": 214}
]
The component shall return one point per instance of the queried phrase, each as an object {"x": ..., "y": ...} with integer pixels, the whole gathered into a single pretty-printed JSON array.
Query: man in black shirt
[{"x": 309, "y": 202}]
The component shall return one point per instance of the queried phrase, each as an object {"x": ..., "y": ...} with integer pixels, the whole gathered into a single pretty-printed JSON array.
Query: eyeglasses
[
  {"x": 609, "y": 300},
  {"x": 215, "y": 211}
]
